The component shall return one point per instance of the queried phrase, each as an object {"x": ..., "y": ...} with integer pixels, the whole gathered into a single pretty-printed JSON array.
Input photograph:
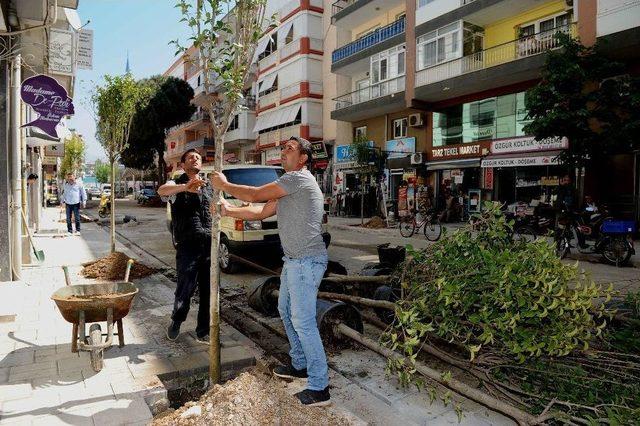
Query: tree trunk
[
  {"x": 112, "y": 231},
  {"x": 214, "y": 305},
  {"x": 162, "y": 166}
]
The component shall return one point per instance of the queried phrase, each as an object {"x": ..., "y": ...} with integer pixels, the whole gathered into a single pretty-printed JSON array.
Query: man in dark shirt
[{"x": 190, "y": 197}]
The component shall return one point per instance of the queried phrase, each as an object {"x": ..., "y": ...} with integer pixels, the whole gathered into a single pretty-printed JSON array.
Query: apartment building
[
  {"x": 289, "y": 89},
  {"x": 239, "y": 140},
  {"x": 440, "y": 85}
]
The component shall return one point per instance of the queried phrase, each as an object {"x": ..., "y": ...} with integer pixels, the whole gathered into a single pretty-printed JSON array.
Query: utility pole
[{"x": 16, "y": 170}]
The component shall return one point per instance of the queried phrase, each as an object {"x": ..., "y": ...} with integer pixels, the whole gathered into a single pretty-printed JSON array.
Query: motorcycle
[
  {"x": 596, "y": 233},
  {"x": 104, "y": 209}
]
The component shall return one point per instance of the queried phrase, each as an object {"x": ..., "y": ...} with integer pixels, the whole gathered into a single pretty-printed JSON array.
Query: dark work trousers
[
  {"x": 193, "y": 265},
  {"x": 75, "y": 209}
]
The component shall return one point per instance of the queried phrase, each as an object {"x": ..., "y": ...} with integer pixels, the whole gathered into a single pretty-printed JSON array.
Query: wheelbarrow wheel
[{"x": 95, "y": 338}]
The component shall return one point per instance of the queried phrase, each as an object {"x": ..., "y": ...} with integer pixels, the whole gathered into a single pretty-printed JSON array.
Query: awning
[
  {"x": 267, "y": 82},
  {"x": 276, "y": 118},
  {"x": 453, "y": 164},
  {"x": 283, "y": 31},
  {"x": 35, "y": 137},
  {"x": 399, "y": 162},
  {"x": 544, "y": 158},
  {"x": 262, "y": 45},
  {"x": 73, "y": 18}
]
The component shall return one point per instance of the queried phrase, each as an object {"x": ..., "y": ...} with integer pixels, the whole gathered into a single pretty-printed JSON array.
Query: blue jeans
[
  {"x": 299, "y": 284},
  {"x": 75, "y": 209}
]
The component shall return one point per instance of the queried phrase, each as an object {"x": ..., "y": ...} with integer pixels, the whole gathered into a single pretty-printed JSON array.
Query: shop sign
[
  {"x": 49, "y": 161},
  {"x": 488, "y": 178},
  {"x": 549, "y": 180},
  {"x": 231, "y": 158},
  {"x": 319, "y": 150},
  {"x": 344, "y": 153},
  {"x": 273, "y": 155},
  {"x": 48, "y": 99},
  {"x": 399, "y": 148},
  {"x": 528, "y": 143},
  {"x": 60, "y": 51},
  {"x": 457, "y": 151},
  {"x": 540, "y": 160},
  {"x": 84, "y": 60},
  {"x": 54, "y": 150}
]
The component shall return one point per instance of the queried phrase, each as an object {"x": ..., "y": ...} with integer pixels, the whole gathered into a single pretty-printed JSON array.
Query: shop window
[
  {"x": 360, "y": 133},
  {"x": 400, "y": 128}
]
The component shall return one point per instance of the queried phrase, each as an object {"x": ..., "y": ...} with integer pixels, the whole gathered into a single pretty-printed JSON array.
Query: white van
[{"x": 241, "y": 237}]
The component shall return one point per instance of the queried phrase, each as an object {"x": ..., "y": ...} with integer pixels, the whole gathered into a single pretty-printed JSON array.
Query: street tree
[
  {"x": 74, "y": 150},
  {"x": 169, "y": 105},
  {"x": 225, "y": 35},
  {"x": 102, "y": 171},
  {"x": 115, "y": 103},
  {"x": 588, "y": 98}
]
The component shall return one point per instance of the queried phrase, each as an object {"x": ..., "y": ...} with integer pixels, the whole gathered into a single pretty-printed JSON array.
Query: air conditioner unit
[
  {"x": 416, "y": 120},
  {"x": 416, "y": 158}
]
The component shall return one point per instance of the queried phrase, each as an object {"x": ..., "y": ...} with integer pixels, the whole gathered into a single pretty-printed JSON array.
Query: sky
[{"x": 144, "y": 28}]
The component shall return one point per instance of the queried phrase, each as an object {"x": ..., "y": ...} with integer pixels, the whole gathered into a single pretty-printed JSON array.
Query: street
[{"x": 352, "y": 246}]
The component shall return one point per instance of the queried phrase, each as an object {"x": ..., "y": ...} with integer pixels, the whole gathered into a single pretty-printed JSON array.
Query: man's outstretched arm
[
  {"x": 253, "y": 194},
  {"x": 250, "y": 212}
]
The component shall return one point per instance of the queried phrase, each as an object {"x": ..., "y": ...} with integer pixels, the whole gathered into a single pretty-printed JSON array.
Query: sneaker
[
  {"x": 204, "y": 339},
  {"x": 312, "y": 398},
  {"x": 173, "y": 331},
  {"x": 77, "y": 232},
  {"x": 288, "y": 372}
]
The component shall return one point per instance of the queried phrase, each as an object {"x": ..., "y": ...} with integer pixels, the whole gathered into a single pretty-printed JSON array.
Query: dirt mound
[
  {"x": 113, "y": 266},
  {"x": 251, "y": 399},
  {"x": 375, "y": 222}
]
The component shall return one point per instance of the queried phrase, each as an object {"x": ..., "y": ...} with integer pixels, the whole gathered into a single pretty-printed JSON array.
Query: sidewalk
[{"x": 43, "y": 382}]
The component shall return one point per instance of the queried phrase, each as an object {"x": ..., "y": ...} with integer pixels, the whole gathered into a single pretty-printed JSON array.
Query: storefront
[
  {"x": 456, "y": 170},
  {"x": 524, "y": 169},
  {"x": 348, "y": 184}
]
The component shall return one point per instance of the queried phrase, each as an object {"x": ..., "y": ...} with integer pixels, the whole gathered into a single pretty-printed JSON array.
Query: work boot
[
  {"x": 312, "y": 398},
  {"x": 173, "y": 331},
  {"x": 288, "y": 372}
]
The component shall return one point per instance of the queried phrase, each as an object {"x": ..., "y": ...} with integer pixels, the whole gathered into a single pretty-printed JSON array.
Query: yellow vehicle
[{"x": 246, "y": 238}]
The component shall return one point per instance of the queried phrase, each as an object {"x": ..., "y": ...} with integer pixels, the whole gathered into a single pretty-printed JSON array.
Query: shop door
[{"x": 505, "y": 185}]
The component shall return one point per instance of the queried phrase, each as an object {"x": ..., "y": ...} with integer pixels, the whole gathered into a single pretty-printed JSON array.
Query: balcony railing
[
  {"x": 378, "y": 36},
  {"x": 267, "y": 61},
  {"x": 198, "y": 115},
  {"x": 276, "y": 97},
  {"x": 372, "y": 92},
  {"x": 339, "y": 5},
  {"x": 199, "y": 143},
  {"x": 289, "y": 49},
  {"x": 523, "y": 47},
  {"x": 284, "y": 134}
]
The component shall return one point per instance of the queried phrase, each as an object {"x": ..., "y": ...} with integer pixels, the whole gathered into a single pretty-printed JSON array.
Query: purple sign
[{"x": 49, "y": 100}]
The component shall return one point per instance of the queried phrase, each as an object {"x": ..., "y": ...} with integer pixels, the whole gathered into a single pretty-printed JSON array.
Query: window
[
  {"x": 388, "y": 64},
  {"x": 559, "y": 22},
  {"x": 235, "y": 123},
  {"x": 422, "y": 3},
  {"x": 362, "y": 91},
  {"x": 289, "y": 38},
  {"x": 367, "y": 31},
  {"x": 360, "y": 133},
  {"x": 272, "y": 46},
  {"x": 439, "y": 46},
  {"x": 486, "y": 119},
  {"x": 400, "y": 128}
]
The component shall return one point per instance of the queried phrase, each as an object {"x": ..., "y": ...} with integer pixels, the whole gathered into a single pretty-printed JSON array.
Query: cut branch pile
[{"x": 520, "y": 321}]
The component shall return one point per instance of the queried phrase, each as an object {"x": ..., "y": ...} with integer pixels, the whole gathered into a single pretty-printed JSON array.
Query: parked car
[
  {"x": 93, "y": 191},
  {"x": 246, "y": 238},
  {"x": 148, "y": 196}
]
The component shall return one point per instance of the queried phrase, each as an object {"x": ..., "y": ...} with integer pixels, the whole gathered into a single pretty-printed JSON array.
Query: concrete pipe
[{"x": 260, "y": 297}]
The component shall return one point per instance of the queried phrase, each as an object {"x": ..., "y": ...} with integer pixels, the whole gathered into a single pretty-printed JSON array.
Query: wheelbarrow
[{"x": 80, "y": 304}]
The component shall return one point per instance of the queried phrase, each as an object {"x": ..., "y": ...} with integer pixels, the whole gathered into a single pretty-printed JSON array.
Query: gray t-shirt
[{"x": 300, "y": 215}]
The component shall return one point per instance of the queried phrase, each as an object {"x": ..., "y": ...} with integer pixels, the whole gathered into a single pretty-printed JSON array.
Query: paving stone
[
  {"x": 236, "y": 357},
  {"x": 151, "y": 367},
  {"x": 33, "y": 371},
  {"x": 190, "y": 362},
  {"x": 123, "y": 411},
  {"x": 15, "y": 358},
  {"x": 57, "y": 418},
  {"x": 33, "y": 404},
  {"x": 10, "y": 392}
]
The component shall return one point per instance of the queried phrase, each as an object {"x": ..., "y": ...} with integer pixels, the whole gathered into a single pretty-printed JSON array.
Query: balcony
[
  {"x": 382, "y": 38},
  {"x": 300, "y": 89},
  {"x": 196, "y": 118},
  {"x": 509, "y": 63},
  {"x": 268, "y": 61},
  {"x": 381, "y": 98},
  {"x": 275, "y": 137},
  {"x": 366, "y": 10},
  {"x": 199, "y": 143},
  {"x": 244, "y": 132}
]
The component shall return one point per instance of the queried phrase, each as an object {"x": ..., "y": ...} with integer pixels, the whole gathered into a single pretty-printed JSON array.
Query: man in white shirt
[{"x": 73, "y": 194}]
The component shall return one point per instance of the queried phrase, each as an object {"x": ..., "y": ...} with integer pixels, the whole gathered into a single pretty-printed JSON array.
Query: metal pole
[{"x": 15, "y": 170}]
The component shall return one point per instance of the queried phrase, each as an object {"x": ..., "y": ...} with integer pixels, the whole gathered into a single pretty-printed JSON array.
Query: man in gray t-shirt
[{"x": 297, "y": 200}]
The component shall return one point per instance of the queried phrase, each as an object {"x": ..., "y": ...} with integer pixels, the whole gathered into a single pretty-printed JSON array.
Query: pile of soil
[
  {"x": 253, "y": 398},
  {"x": 375, "y": 222},
  {"x": 113, "y": 266}
]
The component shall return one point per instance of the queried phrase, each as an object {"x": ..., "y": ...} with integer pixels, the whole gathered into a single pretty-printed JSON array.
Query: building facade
[{"x": 440, "y": 86}]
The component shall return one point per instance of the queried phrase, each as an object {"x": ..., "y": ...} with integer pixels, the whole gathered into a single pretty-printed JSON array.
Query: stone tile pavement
[{"x": 43, "y": 382}]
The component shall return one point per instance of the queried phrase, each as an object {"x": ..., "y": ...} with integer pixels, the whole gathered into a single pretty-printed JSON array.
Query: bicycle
[{"x": 432, "y": 229}]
